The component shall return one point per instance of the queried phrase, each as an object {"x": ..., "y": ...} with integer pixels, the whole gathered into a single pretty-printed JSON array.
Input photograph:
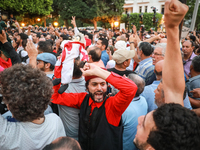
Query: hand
[
  {"x": 132, "y": 38},
  {"x": 174, "y": 13},
  {"x": 3, "y": 37},
  {"x": 89, "y": 69},
  {"x": 14, "y": 44},
  {"x": 31, "y": 49},
  {"x": 51, "y": 27},
  {"x": 17, "y": 24},
  {"x": 196, "y": 92},
  {"x": 73, "y": 21},
  {"x": 134, "y": 29}
]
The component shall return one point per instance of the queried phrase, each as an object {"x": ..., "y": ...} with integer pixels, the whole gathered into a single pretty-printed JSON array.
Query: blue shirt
[
  {"x": 145, "y": 69},
  {"x": 104, "y": 57},
  {"x": 193, "y": 83},
  {"x": 137, "y": 108},
  {"x": 149, "y": 95}
]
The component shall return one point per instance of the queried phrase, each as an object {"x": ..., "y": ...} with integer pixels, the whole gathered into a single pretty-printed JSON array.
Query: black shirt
[{"x": 121, "y": 73}]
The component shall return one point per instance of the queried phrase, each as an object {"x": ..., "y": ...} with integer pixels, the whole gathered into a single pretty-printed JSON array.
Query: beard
[
  {"x": 97, "y": 96},
  {"x": 140, "y": 146}
]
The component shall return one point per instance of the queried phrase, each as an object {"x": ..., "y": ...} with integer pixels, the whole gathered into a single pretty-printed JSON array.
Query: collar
[
  {"x": 136, "y": 98},
  {"x": 156, "y": 82},
  {"x": 91, "y": 102},
  {"x": 49, "y": 72},
  {"x": 192, "y": 56},
  {"x": 193, "y": 78},
  {"x": 145, "y": 60}
]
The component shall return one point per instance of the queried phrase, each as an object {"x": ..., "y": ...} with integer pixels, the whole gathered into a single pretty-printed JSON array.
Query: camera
[
  {"x": 142, "y": 28},
  {"x": 154, "y": 9}
]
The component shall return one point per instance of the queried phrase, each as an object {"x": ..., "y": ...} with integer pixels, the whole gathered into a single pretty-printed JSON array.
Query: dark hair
[
  {"x": 38, "y": 34},
  {"x": 51, "y": 66},
  {"x": 26, "y": 90},
  {"x": 65, "y": 37},
  {"x": 177, "y": 128},
  {"x": 146, "y": 48},
  {"x": 45, "y": 46},
  {"x": 104, "y": 42},
  {"x": 77, "y": 73},
  {"x": 193, "y": 38},
  {"x": 65, "y": 143},
  {"x": 196, "y": 63},
  {"x": 24, "y": 42},
  {"x": 95, "y": 53}
]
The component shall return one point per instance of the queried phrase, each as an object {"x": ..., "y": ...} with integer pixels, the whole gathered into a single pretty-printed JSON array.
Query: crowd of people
[{"x": 71, "y": 89}]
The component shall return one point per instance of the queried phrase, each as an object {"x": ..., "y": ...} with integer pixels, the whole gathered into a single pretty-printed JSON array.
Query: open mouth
[{"x": 98, "y": 96}]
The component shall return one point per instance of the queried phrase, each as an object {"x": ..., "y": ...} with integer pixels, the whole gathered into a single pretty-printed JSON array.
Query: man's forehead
[
  {"x": 97, "y": 80},
  {"x": 187, "y": 43},
  {"x": 149, "y": 121},
  {"x": 158, "y": 49}
]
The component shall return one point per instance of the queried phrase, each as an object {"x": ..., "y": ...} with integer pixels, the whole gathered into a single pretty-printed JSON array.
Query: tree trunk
[
  {"x": 45, "y": 23},
  {"x": 66, "y": 23},
  {"x": 95, "y": 25}
]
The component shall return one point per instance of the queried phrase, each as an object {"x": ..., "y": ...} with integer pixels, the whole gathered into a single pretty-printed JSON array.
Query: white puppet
[{"x": 64, "y": 66}]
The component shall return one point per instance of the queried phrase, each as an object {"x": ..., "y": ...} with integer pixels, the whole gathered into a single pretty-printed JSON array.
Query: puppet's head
[{"x": 79, "y": 38}]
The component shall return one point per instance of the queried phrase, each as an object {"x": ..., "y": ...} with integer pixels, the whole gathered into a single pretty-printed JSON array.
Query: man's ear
[
  {"x": 104, "y": 47},
  {"x": 47, "y": 65}
]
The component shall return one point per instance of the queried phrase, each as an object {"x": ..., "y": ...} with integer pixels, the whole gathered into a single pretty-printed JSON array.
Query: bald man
[
  {"x": 148, "y": 92},
  {"x": 94, "y": 54}
]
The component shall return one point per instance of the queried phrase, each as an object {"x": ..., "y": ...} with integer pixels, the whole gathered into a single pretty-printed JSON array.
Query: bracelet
[{"x": 131, "y": 42}]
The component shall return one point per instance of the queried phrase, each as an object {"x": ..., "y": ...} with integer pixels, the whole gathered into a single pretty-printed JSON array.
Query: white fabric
[{"x": 30, "y": 136}]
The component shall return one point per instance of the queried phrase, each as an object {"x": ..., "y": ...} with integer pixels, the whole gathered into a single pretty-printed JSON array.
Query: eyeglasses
[{"x": 157, "y": 54}]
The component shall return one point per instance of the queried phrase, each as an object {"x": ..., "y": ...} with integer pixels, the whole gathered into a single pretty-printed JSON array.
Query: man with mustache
[{"x": 100, "y": 117}]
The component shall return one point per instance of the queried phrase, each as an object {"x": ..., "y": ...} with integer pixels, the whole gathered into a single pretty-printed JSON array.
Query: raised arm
[{"x": 173, "y": 77}]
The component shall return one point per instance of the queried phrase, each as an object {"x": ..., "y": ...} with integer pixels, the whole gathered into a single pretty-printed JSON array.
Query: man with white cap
[{"x": 122, "y": 57}]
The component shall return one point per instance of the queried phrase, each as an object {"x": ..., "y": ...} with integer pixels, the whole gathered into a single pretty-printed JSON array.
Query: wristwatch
[{"x": 131, "y": 42}]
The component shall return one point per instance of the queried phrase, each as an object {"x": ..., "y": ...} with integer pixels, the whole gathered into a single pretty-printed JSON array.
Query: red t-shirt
[{"x": 114, "y": 106}]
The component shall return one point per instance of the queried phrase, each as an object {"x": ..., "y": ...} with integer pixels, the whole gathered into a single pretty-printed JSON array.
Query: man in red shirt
[{"x": 100, "y": 116}]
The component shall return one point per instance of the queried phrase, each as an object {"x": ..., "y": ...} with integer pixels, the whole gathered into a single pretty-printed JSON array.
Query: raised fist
[{"x": 174, "y": 13}]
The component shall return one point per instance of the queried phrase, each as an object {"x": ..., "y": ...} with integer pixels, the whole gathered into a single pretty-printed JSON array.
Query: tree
[
  {"x": 188, "y": 16},
  {"x": 89, "y": 10},
  {"x": 135, "y": 19},
  {"x": 28, "y": 7}
]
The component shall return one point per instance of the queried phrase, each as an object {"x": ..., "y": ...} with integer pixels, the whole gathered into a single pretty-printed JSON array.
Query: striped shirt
[{"x": 145, "y": 69}]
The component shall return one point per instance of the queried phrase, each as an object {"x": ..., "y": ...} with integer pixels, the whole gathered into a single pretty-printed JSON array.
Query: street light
[
  {"x": 23, "y": 24},
  {"x": 55, "y": 23},
  {"x": 38, "y": 19},
  {"x": 116, "y": 23}
]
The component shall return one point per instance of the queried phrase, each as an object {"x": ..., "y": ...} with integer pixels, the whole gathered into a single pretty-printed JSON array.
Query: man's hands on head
[
  {"x": 3, "y": 37},
  {"x": 174, "y": 13},
  {"x": 93, "y": 70}
]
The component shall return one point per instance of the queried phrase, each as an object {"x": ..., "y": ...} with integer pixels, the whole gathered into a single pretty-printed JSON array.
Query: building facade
[{"x": 143, "y": 6}]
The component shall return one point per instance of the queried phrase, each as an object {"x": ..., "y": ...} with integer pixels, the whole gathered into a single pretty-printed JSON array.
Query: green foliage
[
  {"x": 88, "y": 10},
  {"x": 31, "y": 7},
  {"x": 135, "y": 19},
  {"x": 189, "y": 14}
]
